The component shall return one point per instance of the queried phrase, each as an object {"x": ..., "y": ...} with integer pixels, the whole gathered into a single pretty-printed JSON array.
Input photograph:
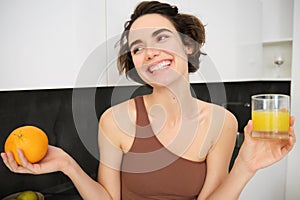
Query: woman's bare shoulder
[
  {"x": 219, "y": 120},
  {"x": 120, "y": 112},
  {"x": 118, "y": 121},
  {"x": 213, "y": 108}
]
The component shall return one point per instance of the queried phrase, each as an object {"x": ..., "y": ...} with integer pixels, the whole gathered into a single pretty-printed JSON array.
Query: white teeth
[{"x": 159, "y": 66}]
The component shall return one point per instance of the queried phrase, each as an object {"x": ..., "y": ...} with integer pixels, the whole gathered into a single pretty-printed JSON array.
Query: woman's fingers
[
  {"x": 10, "y": 161},
  {"x": 292, "y": 137},
  {"x": 248, "y": 129},
  {"x": 292, "y": 120},
  {"x": 26, "y": 166},
  {"x": 5, "y": 160},
  {"x": 22, "y": 158},
  {"x": 51, "y": 162}
]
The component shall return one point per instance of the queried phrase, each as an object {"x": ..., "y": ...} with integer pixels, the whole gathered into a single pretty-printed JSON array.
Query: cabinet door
[
  {"x": 45, "y": 43},
  {"x": 89, "y": 35},
  {"x": 277, "y": 29},
  {"x": 116, "y": 18},
  {"x": 233, "y": 45},
  {"x": 277, "y": 20}
]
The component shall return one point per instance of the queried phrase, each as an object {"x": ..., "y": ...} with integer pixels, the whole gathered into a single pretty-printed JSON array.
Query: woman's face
[{"x": 158, "y": 53}]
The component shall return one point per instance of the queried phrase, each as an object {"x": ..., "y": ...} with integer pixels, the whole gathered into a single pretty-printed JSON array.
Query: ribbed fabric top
[{"x": 151, "y": 171}]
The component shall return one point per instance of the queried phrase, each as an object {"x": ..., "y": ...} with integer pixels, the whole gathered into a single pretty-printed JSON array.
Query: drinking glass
[{"x": 271, "y": 116}]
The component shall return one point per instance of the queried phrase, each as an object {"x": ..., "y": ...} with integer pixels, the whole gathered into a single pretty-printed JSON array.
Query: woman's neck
[{"x": 174, "y": 100}]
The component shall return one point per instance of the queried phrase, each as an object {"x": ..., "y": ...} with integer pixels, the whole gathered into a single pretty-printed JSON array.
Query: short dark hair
[{"x": 190, "y": 28}]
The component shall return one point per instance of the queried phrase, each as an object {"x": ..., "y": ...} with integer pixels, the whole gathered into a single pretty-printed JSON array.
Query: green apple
[{"x": 27, "y": 195}]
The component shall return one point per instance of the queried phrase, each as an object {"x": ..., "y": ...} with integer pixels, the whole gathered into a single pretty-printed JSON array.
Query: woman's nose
[{"x": 151, "y": 53}]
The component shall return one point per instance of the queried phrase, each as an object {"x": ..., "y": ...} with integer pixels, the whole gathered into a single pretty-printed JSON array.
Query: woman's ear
[{"x": 188, "y": 49}]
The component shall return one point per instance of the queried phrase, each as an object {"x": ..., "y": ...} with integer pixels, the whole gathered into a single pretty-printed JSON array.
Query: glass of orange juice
[{"x": 271, "y": 116}]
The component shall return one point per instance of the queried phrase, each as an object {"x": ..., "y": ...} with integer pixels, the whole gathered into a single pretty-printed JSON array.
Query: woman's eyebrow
[
  {"x": 155, "y": 33},
  {"x": 134, "y": 43}
]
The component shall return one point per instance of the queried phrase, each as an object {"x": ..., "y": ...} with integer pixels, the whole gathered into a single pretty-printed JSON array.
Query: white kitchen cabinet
[
  {"x": 277, "y": 27},
  {"x": 89, "y": 40},
  {"x": 277, "y": 20},
  {"x": 114, "y": 28},
  {"x": 72, "y": 43},
  {"x": 233, "y": 41},
  {"x": 47, "y": 44},
  {"x": 277, "y": 41}
]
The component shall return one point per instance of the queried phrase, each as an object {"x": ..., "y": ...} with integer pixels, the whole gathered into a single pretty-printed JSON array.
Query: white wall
[
  {"x": 44, "y": 43},
  {"x": 293, "y": 173},
  {"x": 268, "y": 183}
]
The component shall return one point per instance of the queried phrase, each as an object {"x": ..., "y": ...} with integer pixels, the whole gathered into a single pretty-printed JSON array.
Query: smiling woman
[
  {"x": 158, "y": 39},
  {"x": 183, "y": 30},
  {"x": 166, "y": 144}
]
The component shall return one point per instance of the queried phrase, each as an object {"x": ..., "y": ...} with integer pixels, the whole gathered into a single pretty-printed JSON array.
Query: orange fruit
[{"x": 31, "y": 140}]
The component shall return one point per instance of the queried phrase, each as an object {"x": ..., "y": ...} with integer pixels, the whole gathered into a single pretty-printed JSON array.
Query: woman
[{"x": 165, "y": 145}]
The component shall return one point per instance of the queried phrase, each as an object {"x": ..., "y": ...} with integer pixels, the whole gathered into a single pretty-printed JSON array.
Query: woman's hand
[
  {"x": 55, "y": 160},
  {"x": 258, "y": 153}
]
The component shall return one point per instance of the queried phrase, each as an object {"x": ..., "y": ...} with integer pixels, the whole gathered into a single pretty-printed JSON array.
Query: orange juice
[{"x": 271, "y": 124}]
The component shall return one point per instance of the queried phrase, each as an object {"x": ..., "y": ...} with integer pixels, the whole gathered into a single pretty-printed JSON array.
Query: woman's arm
[
  {"x": 86, "y": 186},
  {"x": 219, "y": 156},
  {"x": 108, "y": 185},
  {"x": 254, "y": 155},
  {"x": 57, "y": 160},
  {"x": 109, "y": 140}
]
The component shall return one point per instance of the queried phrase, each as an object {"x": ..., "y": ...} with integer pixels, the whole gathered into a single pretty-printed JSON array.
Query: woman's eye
[
  {"x": 162, "y": 37},
  {"x": 136, "y": 50}
]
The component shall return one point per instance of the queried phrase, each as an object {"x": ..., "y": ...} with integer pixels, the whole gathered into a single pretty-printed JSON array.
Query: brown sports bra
[{"x": 150, "y": 171}]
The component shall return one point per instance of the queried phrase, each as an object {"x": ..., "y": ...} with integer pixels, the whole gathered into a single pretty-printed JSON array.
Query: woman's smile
[{"x": 158, "y": 66}]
